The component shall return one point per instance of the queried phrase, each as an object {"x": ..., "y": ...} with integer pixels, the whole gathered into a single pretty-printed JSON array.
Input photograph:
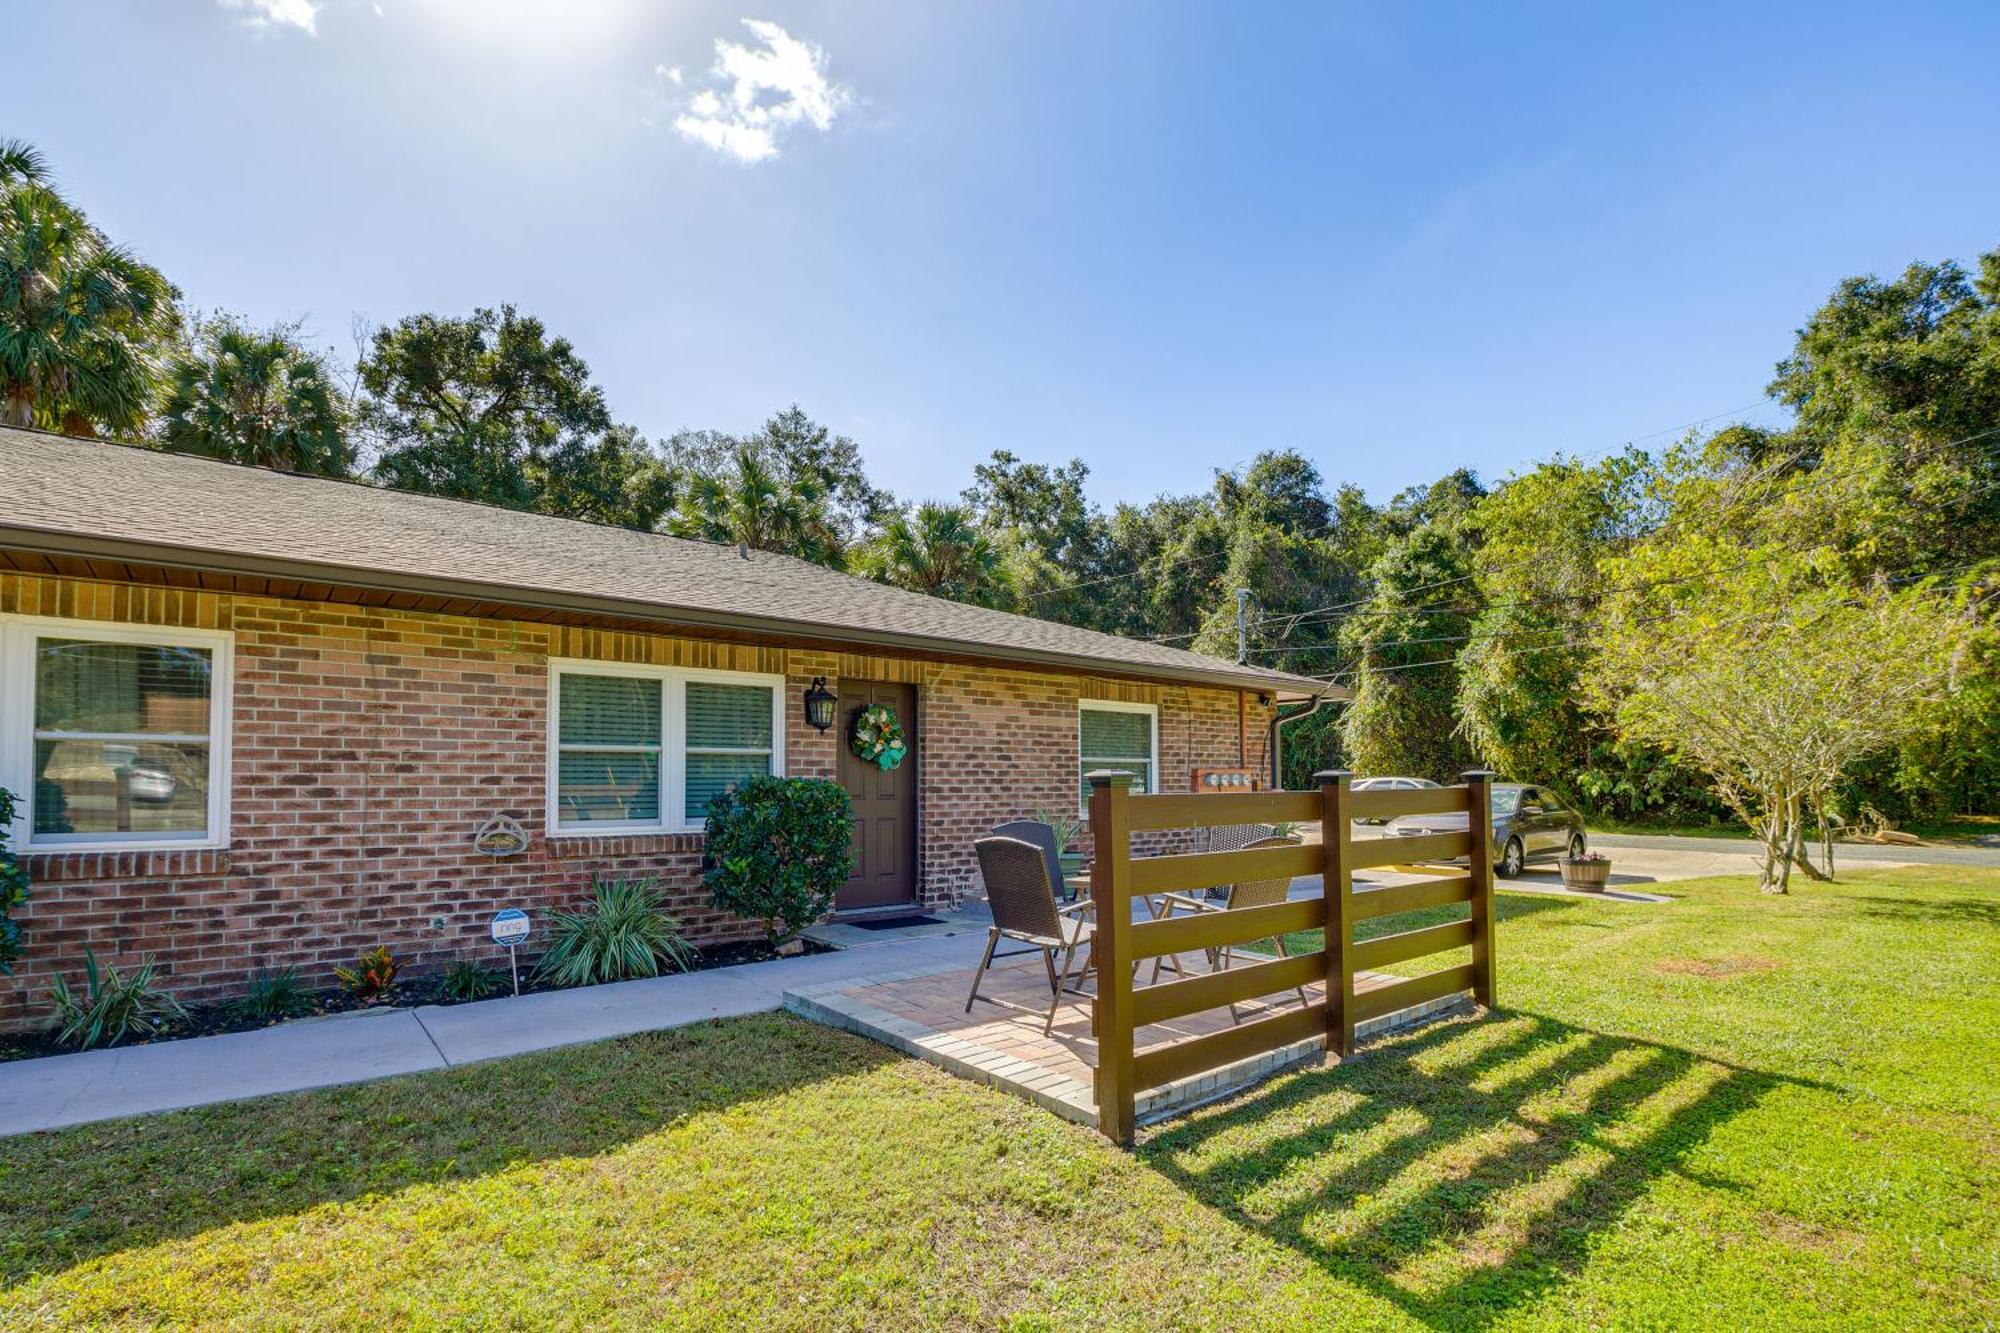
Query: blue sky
[{"x": 1161, "y": 237}]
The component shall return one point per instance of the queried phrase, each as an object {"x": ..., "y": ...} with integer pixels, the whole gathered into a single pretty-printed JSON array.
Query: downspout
[{"x": 1279, "y": 719}]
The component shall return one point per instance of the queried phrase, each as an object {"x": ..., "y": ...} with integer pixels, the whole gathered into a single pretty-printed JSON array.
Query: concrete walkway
[{"x": 60, "y": 1090}]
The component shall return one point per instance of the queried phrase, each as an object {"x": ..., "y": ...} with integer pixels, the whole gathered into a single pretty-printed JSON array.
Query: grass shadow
[
  {"x": 1943, "y": 911},
  {"x": 67, "y": 1196},
  {"x": 1457, "y": 1173}
]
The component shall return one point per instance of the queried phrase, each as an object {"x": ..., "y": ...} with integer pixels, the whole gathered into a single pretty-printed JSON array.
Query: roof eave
[{"x": 52, "y": 542}]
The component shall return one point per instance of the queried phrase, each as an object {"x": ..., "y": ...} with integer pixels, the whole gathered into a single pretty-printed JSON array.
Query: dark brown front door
[{"x": 885, "y": 804}]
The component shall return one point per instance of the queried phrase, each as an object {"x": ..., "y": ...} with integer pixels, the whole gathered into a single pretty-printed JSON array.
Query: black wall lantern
[{"x": 819, "y": 704}]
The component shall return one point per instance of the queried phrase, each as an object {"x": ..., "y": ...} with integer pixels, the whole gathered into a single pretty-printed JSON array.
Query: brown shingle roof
[{"x": 115, "y": 501}]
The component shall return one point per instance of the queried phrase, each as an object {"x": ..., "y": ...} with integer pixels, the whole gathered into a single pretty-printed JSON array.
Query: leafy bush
[
  {"x": 778, "y": 851},
  {"x": 276, "y": 994},
  {"x": 13, "y": 888},
  {"x": 620, "y": 934},
  {"x": 371, "y": 977},
  {"x": 468, "y": 981},
  {"x": 113, "y": 1007}
]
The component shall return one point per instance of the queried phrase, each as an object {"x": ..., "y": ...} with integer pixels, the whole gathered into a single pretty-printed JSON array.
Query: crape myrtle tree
[
  {"x": 1774, "y": 675},
  {"x": 85, "y": 325}
]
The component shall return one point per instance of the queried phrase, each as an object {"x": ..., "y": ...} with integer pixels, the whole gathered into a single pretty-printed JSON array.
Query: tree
[
  {"x": 84, "y": 324},
  {"x": 752, "y": 504},
  {"x": 255, "y": 397},
  {"x": 612, "y": 478},
  {"x": 940, "y": 550},
  {"x": 1543, "y": 537},
  {"x": 799, "y": 455},
  {"x": 1774, "y": 678},
  {"x": 491, "y": 408},
  {"x": 1402, "y": 717},
  {"x": 1050, "y": 538}
]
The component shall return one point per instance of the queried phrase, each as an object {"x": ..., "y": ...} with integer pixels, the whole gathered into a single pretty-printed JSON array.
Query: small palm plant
[
  {"x": 275, "y": 994},
  {"x": 465, "y": 980},
  {"x": 113, "y": 1006},
  {"x": 621, "y": 933}
]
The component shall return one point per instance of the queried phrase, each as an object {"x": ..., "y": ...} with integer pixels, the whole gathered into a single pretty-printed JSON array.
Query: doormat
[{"x": 893, "y": 922}]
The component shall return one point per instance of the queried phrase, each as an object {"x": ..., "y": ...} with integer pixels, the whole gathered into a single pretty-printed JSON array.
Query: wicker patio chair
[
  {"x": 1242, "y": 894},
  {"x": 1233, "y": 838},
  {"x": 1043, "y": 836},
  {"x": 1023, "y": 899}
]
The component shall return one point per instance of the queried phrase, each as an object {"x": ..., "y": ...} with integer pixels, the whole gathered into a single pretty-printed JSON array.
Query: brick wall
[{"x": 368, "y": 745}]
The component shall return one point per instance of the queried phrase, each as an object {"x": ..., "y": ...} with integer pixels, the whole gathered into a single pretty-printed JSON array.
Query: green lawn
[{"x": 1730, "y": 1111}]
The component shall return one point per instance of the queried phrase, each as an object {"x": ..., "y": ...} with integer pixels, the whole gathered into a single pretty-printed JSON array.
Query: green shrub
[
  {"x": 620, "y": 934},
  {"x": 114, "y": 1006},
  {"x": 778, "y": 850},
  {"x": 465, "y": 980},
  {"x": 275, "y": 994},
  {"x": 371, "y": 977},
  {"x": 13, "y": 888}
]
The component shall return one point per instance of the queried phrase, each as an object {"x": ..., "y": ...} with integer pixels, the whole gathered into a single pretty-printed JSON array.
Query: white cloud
[
  {"x": 757, "y": 95},
  {"x": 300, "y": 14}
]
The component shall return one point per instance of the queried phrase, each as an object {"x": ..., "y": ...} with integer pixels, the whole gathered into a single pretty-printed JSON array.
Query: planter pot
[
  {"x": 1588, "y": 876},
  {"x": 1072, "y": 862}
]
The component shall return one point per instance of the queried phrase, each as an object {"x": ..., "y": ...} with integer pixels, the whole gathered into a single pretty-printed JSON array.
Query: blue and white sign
[{"x": 510, "y": 927}]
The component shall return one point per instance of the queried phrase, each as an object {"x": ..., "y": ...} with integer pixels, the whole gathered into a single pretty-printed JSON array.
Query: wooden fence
[{"x": 1117, "y": 876}]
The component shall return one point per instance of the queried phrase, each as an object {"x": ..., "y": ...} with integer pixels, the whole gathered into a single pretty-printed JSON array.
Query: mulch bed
[{"x": 208, "y": 1020}]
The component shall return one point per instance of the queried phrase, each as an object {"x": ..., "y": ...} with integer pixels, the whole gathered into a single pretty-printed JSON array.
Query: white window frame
[
  {"x": 1084, "y": 763},
  {"x": 18, "y": 634},
  {"x": 673, "y": 742}
]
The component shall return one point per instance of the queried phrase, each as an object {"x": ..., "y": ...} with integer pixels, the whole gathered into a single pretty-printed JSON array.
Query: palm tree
[
  {"x": 940, "y": 550},
  {"x": 749, "y": 505},
  {"x": 83, "y": 323},
  {"x": 255, "y": 397}
]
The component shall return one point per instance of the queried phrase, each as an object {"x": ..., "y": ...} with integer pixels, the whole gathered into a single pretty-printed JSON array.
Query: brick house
[{"x": 256, "y": 720}]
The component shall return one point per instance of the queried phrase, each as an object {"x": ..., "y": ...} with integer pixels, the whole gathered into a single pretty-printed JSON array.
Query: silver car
[{"x": 1530, "y": 824}]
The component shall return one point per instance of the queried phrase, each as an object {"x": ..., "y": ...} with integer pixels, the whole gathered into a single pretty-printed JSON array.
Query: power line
[{"x": 1329, "y": 526}]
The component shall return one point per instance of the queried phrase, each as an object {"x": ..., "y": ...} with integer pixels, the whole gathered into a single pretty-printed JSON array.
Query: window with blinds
[
  {"x": 649, "y": 749},
  {"x": 608, "y": 743},
  {"x": 729, "y": 739},
  {"x": 1119, "y": 738}
]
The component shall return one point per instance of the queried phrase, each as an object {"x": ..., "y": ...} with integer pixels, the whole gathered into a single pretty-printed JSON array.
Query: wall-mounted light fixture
[{"x": 819, "y": 704}]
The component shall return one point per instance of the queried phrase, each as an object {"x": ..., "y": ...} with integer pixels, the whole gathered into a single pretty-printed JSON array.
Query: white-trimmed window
[
  {"x": 114, "y": 736},
  {"x": 1120, "y": 737},
  {"x": 634, "y": 748}
]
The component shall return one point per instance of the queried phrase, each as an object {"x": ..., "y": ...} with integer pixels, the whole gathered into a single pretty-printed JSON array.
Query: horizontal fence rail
[{"x": 1121, "y": 944}]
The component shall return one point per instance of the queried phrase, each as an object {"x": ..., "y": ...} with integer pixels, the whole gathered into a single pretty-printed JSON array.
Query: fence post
[
  {"x": 1111, "y": 941},
  {"x": 1336, "y": 835},
  {"x": 1479, "y": 861}
]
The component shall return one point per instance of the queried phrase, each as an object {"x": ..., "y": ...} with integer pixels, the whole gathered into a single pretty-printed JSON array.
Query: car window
[{"x": 1531, "y": 801}]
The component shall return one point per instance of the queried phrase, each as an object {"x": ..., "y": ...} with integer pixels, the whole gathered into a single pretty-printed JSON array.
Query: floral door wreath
[{"x": 878, "y": 737}]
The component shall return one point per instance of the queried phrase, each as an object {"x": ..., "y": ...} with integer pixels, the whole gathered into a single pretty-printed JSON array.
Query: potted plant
[
  {"x": 1588, "y": 873},
  {"x": 1066, "y": 829}
]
